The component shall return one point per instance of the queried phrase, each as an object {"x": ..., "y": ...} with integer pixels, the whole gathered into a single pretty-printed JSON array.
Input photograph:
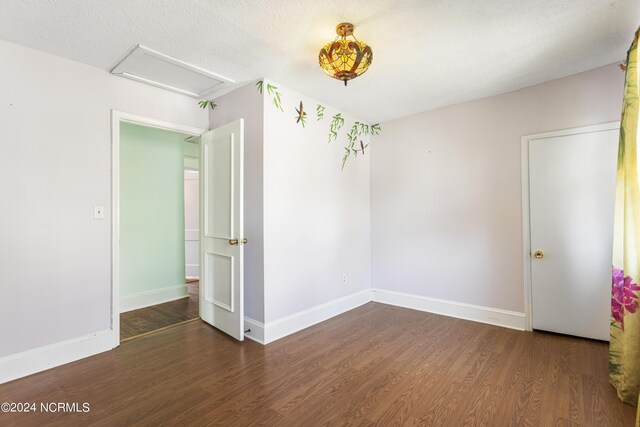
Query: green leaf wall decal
[
  {"x": 207, "y": 103},
  {"x": 358, "y": 129},
  {"x": 272, "y": 90},
  {"x": 337, "y": 122}
]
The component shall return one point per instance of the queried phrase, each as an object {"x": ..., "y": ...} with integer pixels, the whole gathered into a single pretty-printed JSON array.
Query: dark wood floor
[
  {"x": 376, "y": 364},
  {"x": 144, "y": 320}
]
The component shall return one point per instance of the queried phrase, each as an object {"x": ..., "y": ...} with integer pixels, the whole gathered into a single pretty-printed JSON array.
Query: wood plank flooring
[
  {"x": 148, "y": 319},
  {"x": 375, "y": 365}
]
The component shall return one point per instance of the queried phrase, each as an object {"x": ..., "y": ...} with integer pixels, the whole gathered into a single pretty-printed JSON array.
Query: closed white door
[
  {"x": 221, "y": 228},
  {"x": 572, "y": 192}
]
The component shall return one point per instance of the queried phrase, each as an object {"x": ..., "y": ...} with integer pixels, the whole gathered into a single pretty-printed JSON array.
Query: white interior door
[
  {"x": 572, "y": 192},
  {"x": 221, "y": 228}
]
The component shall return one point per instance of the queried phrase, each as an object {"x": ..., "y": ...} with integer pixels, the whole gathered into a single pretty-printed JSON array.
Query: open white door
[{"x": 221, "y": 228}]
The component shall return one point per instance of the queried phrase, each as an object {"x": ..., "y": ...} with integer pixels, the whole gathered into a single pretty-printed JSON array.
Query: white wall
[
  {"x": 245, "y": 102},
  {"x": 316, "y": 217},
  {"x": 55, "y": 260},
  {"x": 446, "y": 191}
]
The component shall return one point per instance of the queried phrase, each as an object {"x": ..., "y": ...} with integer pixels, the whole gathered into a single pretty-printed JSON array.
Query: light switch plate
[{"x": 98, "y": 212}]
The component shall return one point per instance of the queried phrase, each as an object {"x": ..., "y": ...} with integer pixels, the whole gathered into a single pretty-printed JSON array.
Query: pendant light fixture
[{"x": 345, "y": 59}]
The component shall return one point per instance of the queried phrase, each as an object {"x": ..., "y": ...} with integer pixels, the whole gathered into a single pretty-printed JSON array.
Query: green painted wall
[{"x": 151, "y": 209}]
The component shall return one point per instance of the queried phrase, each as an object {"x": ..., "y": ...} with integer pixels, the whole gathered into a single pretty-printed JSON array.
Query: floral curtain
[{"x": 624, "y": 350}]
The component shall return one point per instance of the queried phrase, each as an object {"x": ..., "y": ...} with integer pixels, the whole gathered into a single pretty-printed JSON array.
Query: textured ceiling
[{"x": 427, "y": 53}]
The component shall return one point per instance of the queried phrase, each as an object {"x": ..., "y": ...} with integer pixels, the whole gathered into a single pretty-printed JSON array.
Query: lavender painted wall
[
  {"x": 446, "y": 188},
  {"x": 55, "y": 259}
]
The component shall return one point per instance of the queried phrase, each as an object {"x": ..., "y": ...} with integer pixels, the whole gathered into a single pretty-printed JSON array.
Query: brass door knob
[
  {"x": 538, "y": 254},
  {"x": 233, "y": 241},
  {"x": 244, "y": 241}
]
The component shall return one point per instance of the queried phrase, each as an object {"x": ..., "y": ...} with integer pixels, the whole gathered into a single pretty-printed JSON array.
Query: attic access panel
[{"x": 149, "y": 66}]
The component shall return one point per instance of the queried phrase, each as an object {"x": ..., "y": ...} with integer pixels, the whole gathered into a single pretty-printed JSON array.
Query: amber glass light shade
[{"x": 345, "y": 59}]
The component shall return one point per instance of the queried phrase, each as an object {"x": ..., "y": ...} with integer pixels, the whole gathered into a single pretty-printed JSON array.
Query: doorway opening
[
  {"x": 158, "y": 229},
  {"x": 160, "y": 243},
  {"x": 155, "y": 225}
]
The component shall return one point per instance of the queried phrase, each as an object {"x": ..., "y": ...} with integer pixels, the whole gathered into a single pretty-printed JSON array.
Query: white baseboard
[
  {"x": 146, "y": 299},
  {"x": 296, "y": 322},
  {"x": 476, "y": 313},
  {"x": 272, "y": 331},
  {"x": 40, "y": 359},
  {"x": 256, "y": 330},
  {"x": 32, "y": 361}
]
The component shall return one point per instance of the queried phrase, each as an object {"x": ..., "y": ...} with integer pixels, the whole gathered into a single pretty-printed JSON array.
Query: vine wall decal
[
  {"x": 354, "y": 144},
  {"x": 207, "y": 103},
  {"x": 273, "y": 93}
]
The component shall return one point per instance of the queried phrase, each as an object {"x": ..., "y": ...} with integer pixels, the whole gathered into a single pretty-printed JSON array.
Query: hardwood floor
[
  {"x": 376, "y": 364},
  {"x": 142, "y": 321}
]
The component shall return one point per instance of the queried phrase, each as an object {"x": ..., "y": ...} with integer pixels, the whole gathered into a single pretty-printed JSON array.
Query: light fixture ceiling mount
[
  {"x": 344, "y": 29},
  {"x": 345, "y": 59}
]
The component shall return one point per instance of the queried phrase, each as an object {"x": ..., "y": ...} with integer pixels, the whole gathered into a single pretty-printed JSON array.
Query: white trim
[
  {"x": 476, "y": 313},
  {"x": 156, "y": 84},
  {"x": 118, "y": 117},
  {"x": 154, "y": 297},
  {"x": 265, "y": 333},
  {"x": 296, "y": 322},
  {"x": 526, "y": 220},
  {"x": 29, "y": 362},
  {"x": 254, "y": 330},
  {"x": 122, "y": 116}
]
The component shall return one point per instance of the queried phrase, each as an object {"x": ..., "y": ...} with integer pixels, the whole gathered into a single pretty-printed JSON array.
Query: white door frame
[
  {"x": 526, "y": 226},
  {"x": 118, "y": 117},
  {"x": 193, "y": 164}
]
